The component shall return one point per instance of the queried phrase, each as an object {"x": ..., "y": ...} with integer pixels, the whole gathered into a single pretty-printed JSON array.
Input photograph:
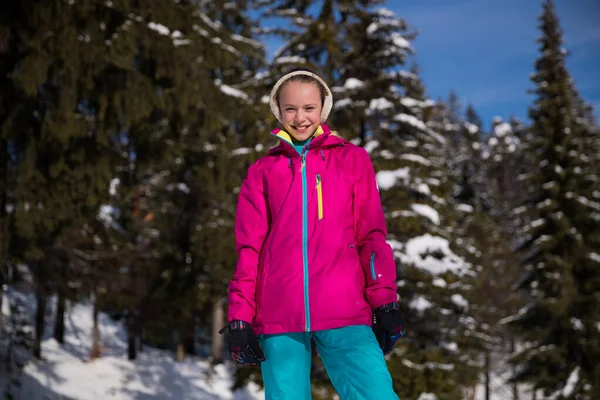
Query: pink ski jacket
[{"x": 311, "y": 239}]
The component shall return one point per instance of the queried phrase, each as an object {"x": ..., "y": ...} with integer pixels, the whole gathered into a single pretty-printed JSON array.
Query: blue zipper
[
  {"x": 305, "y": 237},
  {"x": 373, "y": 275}
]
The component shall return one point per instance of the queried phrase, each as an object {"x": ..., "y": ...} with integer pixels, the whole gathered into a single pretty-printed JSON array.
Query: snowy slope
[{"x": 67, "y": 373}]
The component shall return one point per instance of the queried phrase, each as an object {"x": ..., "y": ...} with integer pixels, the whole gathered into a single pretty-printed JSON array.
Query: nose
[{"x": 299, "y": 116}]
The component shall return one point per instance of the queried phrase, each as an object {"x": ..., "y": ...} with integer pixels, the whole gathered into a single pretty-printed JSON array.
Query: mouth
[{"x": 301, "y": 129}]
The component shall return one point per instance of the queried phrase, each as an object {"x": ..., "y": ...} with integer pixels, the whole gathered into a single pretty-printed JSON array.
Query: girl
[{"x": 313, "y": 261}]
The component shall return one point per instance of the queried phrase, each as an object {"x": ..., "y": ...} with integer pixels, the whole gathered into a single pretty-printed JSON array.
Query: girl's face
[{"x": 300, "y": 105}]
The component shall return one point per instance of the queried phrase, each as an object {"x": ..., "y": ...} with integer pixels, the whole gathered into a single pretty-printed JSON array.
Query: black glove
[
  {"x": 388, "y": 326},
  {"x": 242, "y": 343}
]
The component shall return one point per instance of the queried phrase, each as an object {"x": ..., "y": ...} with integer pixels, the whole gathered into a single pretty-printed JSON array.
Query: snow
[
  {"x": 589, "y": 203},
  {"x": 411, "y": 120},
  {"x": 410, "y": 102},
  {"x": 439, "y": 282},
  {"x": 571, "y": 382},
  {"x": 216, "y": 25},
  {"x": 534, "y": 224},
  {"x": 371, "y": 145},
  {"x": 416, "y": 158},
  {"x": 459, "y": 301},
  {"x": 342, "y": 103},
  {"x": 228, "y": 90},
  {"x": 254, "y": 43},
  {"x": 387, "y": 179},
  {"x": 161, "y": 29},
  {"x": 290, "y": 60},
  {"x": 424, "y": 188},
  {"x": 471, "y": 128},
  {"x": 407, "y": 75},
  {"x": 181, "y": 42},
  {"x": 577, "y": 324},
  {"x": 226, "y": 47},
  {"x": 427, "y": 211},
  {"x": 182, "y": 187},
  {"x": 107, "y": 215},
  {"x": 428, "y": 365},
  {"x": 420, "y": 304},
  {"x": 465, "y": 208},
  {"x": 372, "y": 28},
  {"x": 379, "y": 104},
  {"x": 432, "y": 254},
  {"x": 427, "y": 396},
  {"x": 353, "y": 83},
  {"x": 384, "y": 12},
  {"x": 113, "y": 186},
  {"x": 549, "y": 185},
  {"x": 543, "y": 239},
  {"x": 400, "y": 41},
  {"x": 241, "y": 151},
  {"x": 502, "y": 129},
  {"x": 67, "y": 372}
]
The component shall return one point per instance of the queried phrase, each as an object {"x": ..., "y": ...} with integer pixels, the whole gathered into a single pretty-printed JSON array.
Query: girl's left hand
[{"x": 388, "y": 326}]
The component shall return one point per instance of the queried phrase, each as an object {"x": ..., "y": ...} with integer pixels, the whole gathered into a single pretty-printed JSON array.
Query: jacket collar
[{"x": 323, "y": 137}]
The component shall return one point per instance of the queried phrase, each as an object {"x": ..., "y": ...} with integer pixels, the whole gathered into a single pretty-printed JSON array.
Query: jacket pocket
[
  {"x": 372, "y": 264},
  {"x": 320, "y": 195}
]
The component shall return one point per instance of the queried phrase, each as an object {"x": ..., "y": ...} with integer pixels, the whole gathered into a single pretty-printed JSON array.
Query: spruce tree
[
  {"x": 556, "y": 329},
  {"x": 166, "y": 174},
  {"x": 63, "y": 163},
  {"x": 105, "y": 95}
]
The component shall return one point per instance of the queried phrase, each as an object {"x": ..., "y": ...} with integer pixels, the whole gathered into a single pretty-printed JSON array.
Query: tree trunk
[
  {"x": 59, "y": 322},
  {"x": 40, "y": 315},
  {"x": 95, "y": 350},
  {"x": 3, "y": 220},
  {"x": 218, "y": 321},
  {"x": 515, "y": 388},
  {"x": 188, "y": 337},
  {"x": 131, "y": 338},
  {"x": 180, "y": 352},
  {"x": 1, "y": 294},
  {"x": 487, "y": 375},
  {"x": 363, "y": 132}
]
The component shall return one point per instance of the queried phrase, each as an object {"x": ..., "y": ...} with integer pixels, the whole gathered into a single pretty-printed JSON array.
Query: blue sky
[{"x": 485, "y": 49}]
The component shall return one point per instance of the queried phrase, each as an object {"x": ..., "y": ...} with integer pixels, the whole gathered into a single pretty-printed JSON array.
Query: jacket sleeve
[
  {"x": 376, "y": 255},
  {"x": 251, "y": 227}
]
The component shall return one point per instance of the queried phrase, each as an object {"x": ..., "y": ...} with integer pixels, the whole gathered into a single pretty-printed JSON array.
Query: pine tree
[
  {"x": 353, "y": 45},
  {"x": 62, "y": 164},
  {"x": 556, "y": 245},
  {"x": 168, "y": 192},
  {"x": 107, "y": 93},
  {"x": 7, "y": 140}
]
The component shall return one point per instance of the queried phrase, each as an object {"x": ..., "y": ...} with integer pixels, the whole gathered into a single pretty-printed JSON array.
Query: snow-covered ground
[{"x": 67, "y": 373}]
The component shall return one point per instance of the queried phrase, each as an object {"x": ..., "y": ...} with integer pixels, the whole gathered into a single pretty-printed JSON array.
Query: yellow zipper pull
[{"x": 320, "y": 196}]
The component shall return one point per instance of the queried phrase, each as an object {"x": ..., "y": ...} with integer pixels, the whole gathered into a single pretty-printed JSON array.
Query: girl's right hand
[{"x": 242, "y": 343}]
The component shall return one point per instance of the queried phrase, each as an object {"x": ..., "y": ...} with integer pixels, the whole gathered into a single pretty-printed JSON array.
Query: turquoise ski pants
[{"x": 351, "y": 355}]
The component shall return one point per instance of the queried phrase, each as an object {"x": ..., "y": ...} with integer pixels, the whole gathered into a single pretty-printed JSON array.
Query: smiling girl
[{"x": 313, "y": 261}]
